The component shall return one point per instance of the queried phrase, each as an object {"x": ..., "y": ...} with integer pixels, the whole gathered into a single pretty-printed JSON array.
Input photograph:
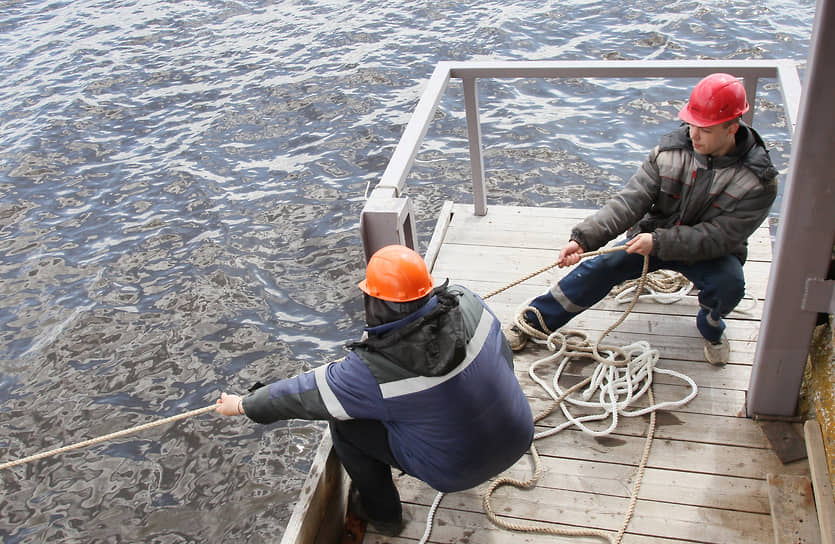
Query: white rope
[
  {"x": 653, "y": 294},
  {"x": 622, "y": 376},
  {"x": 668, "y": 287},
  {"x": 430, "y": 518},
  {"x": 617, "y": 385},
  {"x": 616, "y": 388}
]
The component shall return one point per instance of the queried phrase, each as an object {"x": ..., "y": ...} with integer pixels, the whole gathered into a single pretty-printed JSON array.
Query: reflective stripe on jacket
[
  {"x": 443, "y": 386},
  {"x": 698, "y": 207}
]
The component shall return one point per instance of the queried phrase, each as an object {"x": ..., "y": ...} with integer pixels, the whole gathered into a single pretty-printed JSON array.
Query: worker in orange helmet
[
  {"x": 429, "y": 391},
  {"x": 690, "y": 207}
]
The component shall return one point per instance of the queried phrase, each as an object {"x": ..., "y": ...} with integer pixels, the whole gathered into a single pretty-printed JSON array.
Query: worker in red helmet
[
  {"x": 690, "y": 207},
  {"x": 429, "y": 391}
]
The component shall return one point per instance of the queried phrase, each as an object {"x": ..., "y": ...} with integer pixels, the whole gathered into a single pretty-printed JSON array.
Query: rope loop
[{"x": 621, "y": 376}]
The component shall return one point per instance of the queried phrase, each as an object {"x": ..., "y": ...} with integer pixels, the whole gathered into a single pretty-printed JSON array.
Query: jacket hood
[{"x": 429, "y": 342}]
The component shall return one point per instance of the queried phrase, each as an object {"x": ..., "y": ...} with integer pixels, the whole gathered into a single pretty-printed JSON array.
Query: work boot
[
  {"x": 387, "y": 528},
  {"x": 516, "y": 337},
  {"x": 718, "y": 353}
]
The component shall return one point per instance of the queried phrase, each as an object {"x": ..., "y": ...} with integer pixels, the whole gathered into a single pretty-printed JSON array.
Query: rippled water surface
[{"x": 180, "y": 188}]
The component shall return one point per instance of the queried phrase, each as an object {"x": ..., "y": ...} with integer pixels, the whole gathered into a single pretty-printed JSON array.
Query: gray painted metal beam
[
  {"x": 604, "y": 68},
  {"x": 394, "y": 176},
  {"x": 474, "y": 138},
  {"x": 805, "y": 235}
]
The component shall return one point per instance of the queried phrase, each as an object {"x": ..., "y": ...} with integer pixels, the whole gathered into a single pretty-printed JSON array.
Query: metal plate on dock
[{"x": 787, "y": 443}]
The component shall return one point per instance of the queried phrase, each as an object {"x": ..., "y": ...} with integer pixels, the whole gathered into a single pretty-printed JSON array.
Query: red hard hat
[
  {"x": 715, "y": 99},
  {"x": 397, "y": 274}
]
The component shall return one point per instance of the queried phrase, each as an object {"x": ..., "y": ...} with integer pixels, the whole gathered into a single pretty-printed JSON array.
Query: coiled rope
[
  {"x": 616, "y": 374},
  {"x": 662, "y": 286},
  {"x": 105, "y": 438},
  {"x": 668, "y": 287}
]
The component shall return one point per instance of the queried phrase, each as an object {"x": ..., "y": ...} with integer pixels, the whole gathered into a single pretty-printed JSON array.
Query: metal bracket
[
  {"x": 819, "y": 296},
  {"x": 787, "y": 444},
  {"x": 385, "y": 221}
]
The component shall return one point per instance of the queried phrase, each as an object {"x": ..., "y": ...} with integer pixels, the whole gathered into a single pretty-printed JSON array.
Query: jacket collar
[{"x": 386, "y": 327}]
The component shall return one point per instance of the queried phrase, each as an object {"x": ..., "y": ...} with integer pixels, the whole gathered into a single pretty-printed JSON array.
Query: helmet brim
[{"x": 688, "y": 117}]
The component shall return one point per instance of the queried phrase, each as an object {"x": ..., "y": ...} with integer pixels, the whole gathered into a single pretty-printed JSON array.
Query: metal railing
[{"x": 388, "y": 218}]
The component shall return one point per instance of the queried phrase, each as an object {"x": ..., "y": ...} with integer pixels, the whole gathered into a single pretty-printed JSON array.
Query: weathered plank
[
  {"x": 820, "y": 480},
  {"x": 508, "y": 301},
  {"x": 793, "y": 513},
  {"x": 685, "y": 488},
  {"x": 544, "y": 228},
  {"x": 319, "y": 513},
  {"x": 706, "y": 476},
  {"x": 679, "y": 425},
  {"x": 730, "y": 376},
  {"x": 465, "y": 263},
  {"x": 679, "y": 347},
  {"x": 592, "y": 510}
]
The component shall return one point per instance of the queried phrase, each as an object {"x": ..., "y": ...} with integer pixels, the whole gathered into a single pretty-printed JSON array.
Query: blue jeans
[{"x": 721, "y": 285}]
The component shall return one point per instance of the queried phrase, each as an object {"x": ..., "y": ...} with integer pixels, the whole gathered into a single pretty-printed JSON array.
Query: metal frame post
[
  {"x": 474, "y": 138},
  {"x": 805, "y": 236}
]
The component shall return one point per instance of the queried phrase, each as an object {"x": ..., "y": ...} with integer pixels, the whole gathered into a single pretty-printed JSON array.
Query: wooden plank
[
  {"x": 718, "y": 402},
  {"x": 730, "y": 376},
  {"x": 792, "y": 509},
  {"x": 785, "y": 440},
  {"x": 652, "y": 325},
  {"x": 548, "y": 236},
  {"x": 546, "y": 228},
  {"x": 686, "y": 488},
  {"x": 723, "y": 460},
  {"x": 439, "y": 234},
  {"x": 502, "y": 265},
  {"x": 820, "y": 480},
  {"x": 679, "y": 348},
  {"x": 708, "y": 400},
  {"x": 469, "y": 527},
  {"x": 319, "y": 513},
  {"x": 512, "y": 298},
  {"x": 684, "y": 426},
  {"x": 578, "y": 509},
  {"x": 686, "y": 305}
]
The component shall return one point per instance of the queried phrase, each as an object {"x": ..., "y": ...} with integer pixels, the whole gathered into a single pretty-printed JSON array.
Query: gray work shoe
[
  {"x": 516, "y": 338},
  {"x": 718, "y": 354}
]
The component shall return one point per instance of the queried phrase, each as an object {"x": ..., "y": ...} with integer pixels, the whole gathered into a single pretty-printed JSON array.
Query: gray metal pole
[
  {"x": 804, "y": 237},
  {"x": 474, "y": 137}
]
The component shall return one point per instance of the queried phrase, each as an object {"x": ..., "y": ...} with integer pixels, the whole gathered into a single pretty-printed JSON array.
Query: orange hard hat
[
  {"x": 714, "y": 100},
  {"x": 398, "y": 274}
]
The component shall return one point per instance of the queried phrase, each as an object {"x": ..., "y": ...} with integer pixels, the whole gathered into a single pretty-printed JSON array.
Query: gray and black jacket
[{"x": 697, "y": 207}]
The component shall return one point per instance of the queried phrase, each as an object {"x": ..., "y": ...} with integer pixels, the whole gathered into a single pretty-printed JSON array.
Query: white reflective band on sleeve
[
  {"x": 568, "y": 306},
  {"x": 328, "y": 397},
  {"x": 422, "y": 383}
]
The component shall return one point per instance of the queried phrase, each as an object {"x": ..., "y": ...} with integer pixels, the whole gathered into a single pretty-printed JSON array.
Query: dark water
[{"x": 180, "y": 188}]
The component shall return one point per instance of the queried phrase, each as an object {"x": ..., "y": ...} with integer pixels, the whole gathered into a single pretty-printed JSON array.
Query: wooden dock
[{"x": 707, "y": 474}]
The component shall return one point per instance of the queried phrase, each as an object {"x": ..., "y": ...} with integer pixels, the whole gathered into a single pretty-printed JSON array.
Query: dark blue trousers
[
  {"x": 721, "y": 285},
  {"x": 362, "y": 446}
]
